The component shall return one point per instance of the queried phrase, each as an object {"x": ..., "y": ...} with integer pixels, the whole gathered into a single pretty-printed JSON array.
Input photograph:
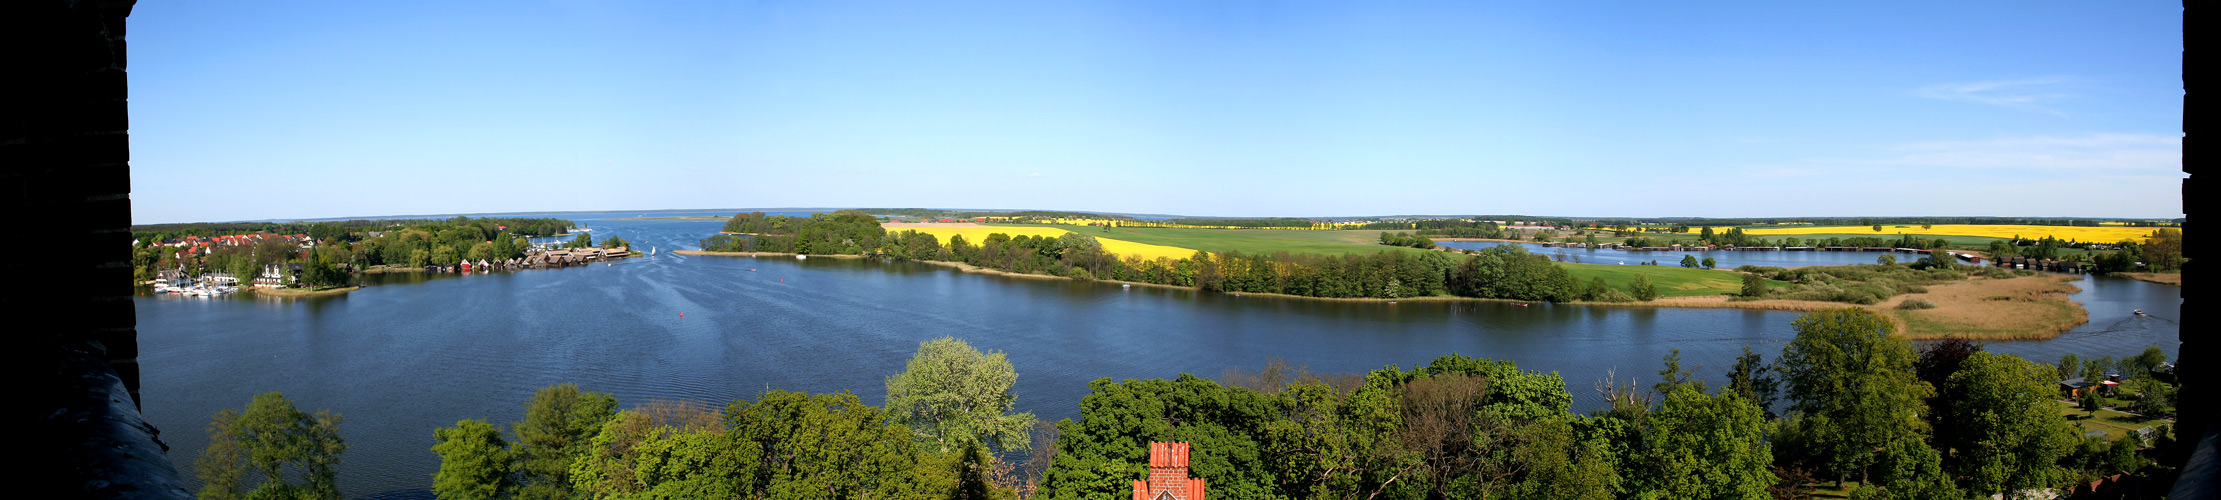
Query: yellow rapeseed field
[
  {"x": 2106, "y": 234},
  {"x": 976, "y": 234}
]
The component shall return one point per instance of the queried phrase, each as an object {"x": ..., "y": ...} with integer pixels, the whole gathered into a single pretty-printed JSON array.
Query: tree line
[
  {"x": 841, "y": 232},
  {"x": 1846, "y": 402},
  {"x": 1406, "y": 240},
  {"x": 523, "y": 226}
]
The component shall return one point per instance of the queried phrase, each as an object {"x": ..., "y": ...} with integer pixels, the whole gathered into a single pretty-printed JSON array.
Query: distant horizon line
[{"x": 1130, "y": 214}]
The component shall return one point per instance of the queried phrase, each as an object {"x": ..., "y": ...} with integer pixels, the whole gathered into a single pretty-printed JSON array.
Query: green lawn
[
  {"x": 2115, "y": 424},
  {"x": 1671, "y": 281}
]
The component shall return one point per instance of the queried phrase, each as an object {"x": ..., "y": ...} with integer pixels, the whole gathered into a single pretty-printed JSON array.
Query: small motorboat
[{"x": 2140, "y": 312}]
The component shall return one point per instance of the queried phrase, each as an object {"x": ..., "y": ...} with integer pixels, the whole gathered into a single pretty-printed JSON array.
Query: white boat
[{"x": 801, "y": 257}]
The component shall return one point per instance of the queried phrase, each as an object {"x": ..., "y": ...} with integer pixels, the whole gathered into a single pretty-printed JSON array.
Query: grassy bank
[{"x": 300, "y": 292}]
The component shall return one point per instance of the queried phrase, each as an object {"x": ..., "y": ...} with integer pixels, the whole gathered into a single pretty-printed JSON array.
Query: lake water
[{"x": 415, "y": 352}]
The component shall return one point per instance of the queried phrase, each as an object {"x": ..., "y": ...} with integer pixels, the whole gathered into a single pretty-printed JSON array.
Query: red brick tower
[{"x": 1168, "y": 475}]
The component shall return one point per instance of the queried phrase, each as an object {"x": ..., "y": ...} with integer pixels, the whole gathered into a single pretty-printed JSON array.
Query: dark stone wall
[
  {"x": 65, "y": 185},
  {"x": 2198, "y": 422}
]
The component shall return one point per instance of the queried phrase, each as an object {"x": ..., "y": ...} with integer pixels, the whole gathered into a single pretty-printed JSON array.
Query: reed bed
[{"x": 2020, "y": 308}]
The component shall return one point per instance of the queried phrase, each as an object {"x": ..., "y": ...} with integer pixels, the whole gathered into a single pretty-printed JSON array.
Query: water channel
[{"x": 414, "y": 352}]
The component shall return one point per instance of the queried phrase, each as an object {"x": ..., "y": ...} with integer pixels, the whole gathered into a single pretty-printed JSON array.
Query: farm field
[
  {"x": 1248, "y": 241},
  {"x": 1671, "y": 281},
  {"x": 1956, "y": 241},
  {"x": 2104, "y": 234},
  {"x": 1180, "y": 243},
  {"x": 976, "y": 234}
]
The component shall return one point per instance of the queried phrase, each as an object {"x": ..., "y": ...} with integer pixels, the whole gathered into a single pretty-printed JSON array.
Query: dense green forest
[
  {"x": 1849, "y": 406},
  {"x": 843, "y": 232}
]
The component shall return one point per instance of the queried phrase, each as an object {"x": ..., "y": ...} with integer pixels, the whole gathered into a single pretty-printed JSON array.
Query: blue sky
[{"x": 268, "y": 110}]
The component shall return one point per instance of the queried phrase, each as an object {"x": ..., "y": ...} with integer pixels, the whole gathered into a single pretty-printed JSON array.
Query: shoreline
[
  {"x": 2020, "y": 308},
  {"x": 764, "y": 254},
  {"x": 296, "y": 293}
]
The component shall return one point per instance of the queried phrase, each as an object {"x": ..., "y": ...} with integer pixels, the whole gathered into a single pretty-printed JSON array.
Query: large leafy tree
[
  {"x": 275, "y": 442},
  {"x": 558, "y": 424},
  {"x": 1852, "y": 378},
  {"x": 474, "y": 462},
  {"x": 2007, "y": 434},
  {"x": 952, "y": 394},
  {"x": 1642, "y": 289},
  {"x": 1753, "y": 380},
  {"x": 1709, "y": 446}
]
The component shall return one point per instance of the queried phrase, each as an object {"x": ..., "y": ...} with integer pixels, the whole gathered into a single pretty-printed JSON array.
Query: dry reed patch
[
  {"x": 2160, "y": 278},
  {"x": 2027, "y": 307}
]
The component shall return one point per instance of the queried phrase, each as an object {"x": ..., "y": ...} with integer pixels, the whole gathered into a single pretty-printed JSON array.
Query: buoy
[
  {"x": 782, "y": 280},
  {"x": 682, "y": 315}
]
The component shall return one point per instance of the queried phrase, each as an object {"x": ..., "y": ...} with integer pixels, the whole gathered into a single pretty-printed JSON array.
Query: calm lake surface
[{"x": 416, "y": 352}]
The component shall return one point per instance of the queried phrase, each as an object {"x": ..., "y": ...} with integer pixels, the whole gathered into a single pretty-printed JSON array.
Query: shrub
[
  {"x": 1916, "y": 304},
  {"x": 1613, "y": 295}
]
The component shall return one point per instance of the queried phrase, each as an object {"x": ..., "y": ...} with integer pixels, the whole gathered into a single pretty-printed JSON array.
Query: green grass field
[{"x": 1671, "y": 281}]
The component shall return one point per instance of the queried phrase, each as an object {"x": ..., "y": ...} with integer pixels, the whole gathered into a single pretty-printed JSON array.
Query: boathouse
[{"x": 1168, "y": 475}]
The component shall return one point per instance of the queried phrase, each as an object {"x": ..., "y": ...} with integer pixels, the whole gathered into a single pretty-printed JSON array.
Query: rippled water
[{"x": 415, "y": 352}]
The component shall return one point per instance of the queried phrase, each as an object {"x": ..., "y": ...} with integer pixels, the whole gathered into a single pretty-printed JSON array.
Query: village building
[
  {"x": 1168, "y": 475},
  {"x": 171, "y": 276}
]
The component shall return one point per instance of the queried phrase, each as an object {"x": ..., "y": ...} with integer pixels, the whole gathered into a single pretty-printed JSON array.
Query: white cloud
[{"x": 2025, "y": 94}]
